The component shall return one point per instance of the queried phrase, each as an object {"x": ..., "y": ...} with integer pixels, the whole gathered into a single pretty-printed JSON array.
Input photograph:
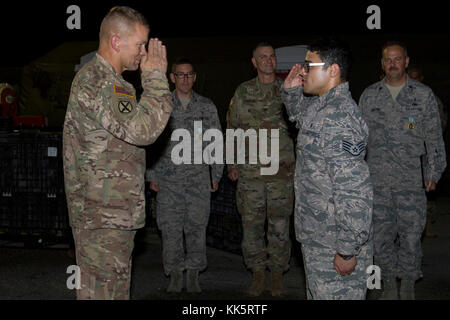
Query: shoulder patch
[
  {"x": 125, "y": 106},
  {"x": 123, "y": 91}
]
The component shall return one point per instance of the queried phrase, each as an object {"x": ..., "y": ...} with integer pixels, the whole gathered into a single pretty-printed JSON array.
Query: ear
[
  {"x": 254, "y": 62},
  {"x": 407, "y": 62},
  {"x": 115, "y": 42},
  {"x": 172, "y": 77},
  {"x": 335, "y": 71}
]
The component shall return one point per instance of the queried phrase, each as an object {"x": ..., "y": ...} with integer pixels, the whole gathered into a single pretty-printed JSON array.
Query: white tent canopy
[{"x": 287, "y": 57}]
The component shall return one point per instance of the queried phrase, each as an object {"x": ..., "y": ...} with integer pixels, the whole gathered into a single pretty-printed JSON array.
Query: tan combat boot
[
  {"x": 176, "y": 282},
  {"x": 407, "y": 289},
  {"x": 192, "y": 281},
  {"x": 258, "y": 283},
  {"x": 390, "y": 291},
  {"x": 276, "y": 279}
]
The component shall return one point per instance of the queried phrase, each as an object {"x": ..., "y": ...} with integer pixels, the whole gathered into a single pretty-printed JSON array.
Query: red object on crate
[
  {"x": 8, "y": 101},
  {"x": 29, "y": 121}
]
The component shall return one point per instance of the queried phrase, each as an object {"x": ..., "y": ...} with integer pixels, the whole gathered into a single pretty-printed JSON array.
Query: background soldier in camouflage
[
  {"x": 415, "y": 72},
  {"x": 257, "y": 104},
  {"x": 333, "y": 205},
  {"x": 404, "y": 124},
  {"x": 104, "y": 165},
  {"x": 184, "y": 191}
]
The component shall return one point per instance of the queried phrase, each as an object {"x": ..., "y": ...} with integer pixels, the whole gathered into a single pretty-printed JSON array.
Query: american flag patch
[{"x": 123, "y": 91}]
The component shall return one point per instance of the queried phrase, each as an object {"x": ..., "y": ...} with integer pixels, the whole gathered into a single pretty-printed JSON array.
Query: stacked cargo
[
  {"x": 32, "y": 199},
  {"x": 225, "y": 225}
]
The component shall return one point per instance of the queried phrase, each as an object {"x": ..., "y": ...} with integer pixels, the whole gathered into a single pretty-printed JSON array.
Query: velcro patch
[
  {"x": 125, "y": 106},
  {"x": 123, "y": 91},
  {"x": 354, "y": 149}
]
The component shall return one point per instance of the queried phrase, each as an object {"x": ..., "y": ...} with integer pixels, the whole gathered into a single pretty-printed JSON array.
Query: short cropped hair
[
  {"x": 260, "y": 45},
  {"x": 182, "y": 60},
  {"x": 121, "y": 17},
  {"x": 394, "y": 43},
  {"x": 333, "y": 51}
]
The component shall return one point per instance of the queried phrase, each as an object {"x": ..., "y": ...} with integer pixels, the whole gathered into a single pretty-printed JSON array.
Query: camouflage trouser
[
  {"x": 104, "y": 259},
  {"x": 398, "y": 222},
  {"x": 256, "y": 201},
  {"x": 322, "y": 280},
  {"x": 183, "y": 208}
]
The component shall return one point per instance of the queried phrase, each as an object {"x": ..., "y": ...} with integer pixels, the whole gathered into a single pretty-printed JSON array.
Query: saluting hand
[
  {"x": 156, "y": 57},
  {"x": 294, "y": 78}
]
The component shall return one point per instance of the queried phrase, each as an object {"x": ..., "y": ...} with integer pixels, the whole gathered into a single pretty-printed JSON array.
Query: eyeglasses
[
  {"x": 181, "y": 75},
  {"x": 306, "y": 65}
]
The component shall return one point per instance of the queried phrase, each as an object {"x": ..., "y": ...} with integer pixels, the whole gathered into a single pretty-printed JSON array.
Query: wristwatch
[{"x": 346, "y": 257}]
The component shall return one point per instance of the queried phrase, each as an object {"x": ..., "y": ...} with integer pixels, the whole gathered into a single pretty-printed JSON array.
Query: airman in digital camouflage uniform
[
  {"x": 415, "y": 72},
  {"x": 257, "y": 105},
  {"x": 104, "y": 164},
  {"x": 404, "y": 124},
  {"x": 184, "y": 190},
  {"x": 333, "y": 204}
]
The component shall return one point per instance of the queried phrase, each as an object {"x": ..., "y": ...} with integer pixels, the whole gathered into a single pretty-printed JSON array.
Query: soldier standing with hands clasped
[
  {"x": 333, "y": 191},
  {"x": 104, "y": 164},
  {"x": 257, "y": 104}
]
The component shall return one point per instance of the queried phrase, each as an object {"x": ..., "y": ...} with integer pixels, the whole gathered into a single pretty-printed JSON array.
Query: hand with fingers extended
[
  {"x": 156, "y": 57},
  {"x": 294, "y": 78}
]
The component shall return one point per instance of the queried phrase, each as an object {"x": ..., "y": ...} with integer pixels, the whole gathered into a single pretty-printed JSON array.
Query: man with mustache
[
  {"x": 104, "y": 163},
  {"x": 404, "y": 126}
]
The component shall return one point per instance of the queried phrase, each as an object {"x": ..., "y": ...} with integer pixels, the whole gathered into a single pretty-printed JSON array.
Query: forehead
[
  {"x": 265, "y": 51},
  {"x": 186, "y": 67},
  {"x": 139, "y": 33},
  {"x": 312, "y": 56},
  {"x": 394, "y": 50}
]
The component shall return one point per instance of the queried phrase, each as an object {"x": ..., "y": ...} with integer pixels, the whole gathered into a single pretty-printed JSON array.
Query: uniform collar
[
  {"x": 105, "y": 63},
  {"x": 339, "y": 90},
  {"x": 177, "y": 100}
]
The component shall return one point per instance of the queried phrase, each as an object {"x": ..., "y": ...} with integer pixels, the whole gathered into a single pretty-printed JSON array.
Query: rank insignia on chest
[
  {"x": 125, "y": 106},
  {"x": 411, "y": 123},
  {"x": 123, "y": 91},
  {"x": 354, "y": 149}
]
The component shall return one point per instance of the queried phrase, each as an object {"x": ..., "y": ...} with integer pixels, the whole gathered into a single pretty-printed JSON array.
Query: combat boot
[
  {"x": 276, "y": 280},
  {"x": 258, "y": 283},
  {"x": 390, "y": 291},
  {"x": 192, "y": 281},
  {"x": 407, "y": 289},
  {"x": 176, "y": 282}
]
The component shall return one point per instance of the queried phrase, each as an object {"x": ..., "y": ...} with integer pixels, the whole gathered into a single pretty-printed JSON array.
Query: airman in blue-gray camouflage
[
  {"x": 403, "y": 118},
  {"x": 333, "y": 190},
  {"x": 184, "y": 190},
  {"x": 104, "y": 162}
]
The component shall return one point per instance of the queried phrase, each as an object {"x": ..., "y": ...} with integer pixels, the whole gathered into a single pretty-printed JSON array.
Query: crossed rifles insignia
[{"x": 125, "y": 106}]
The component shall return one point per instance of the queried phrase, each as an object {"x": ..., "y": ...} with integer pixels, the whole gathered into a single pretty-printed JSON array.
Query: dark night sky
[{"x": 28, "y": 30}]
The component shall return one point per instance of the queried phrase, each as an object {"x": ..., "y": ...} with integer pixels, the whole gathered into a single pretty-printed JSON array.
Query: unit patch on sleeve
[{"x": 125, "y": 106}]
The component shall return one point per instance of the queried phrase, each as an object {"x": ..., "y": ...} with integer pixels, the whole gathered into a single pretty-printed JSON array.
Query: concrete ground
[{"x": 40, "y": 274}]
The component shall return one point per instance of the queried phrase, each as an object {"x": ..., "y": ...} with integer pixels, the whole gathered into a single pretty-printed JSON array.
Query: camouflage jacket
[
  {"x": 104, "y": 165},
  {"x": 334, "y": 195},
  {"x": 401, "y": 133},
  {"x": 259, "y": 106},
  {"x": 162, "y": 168}
]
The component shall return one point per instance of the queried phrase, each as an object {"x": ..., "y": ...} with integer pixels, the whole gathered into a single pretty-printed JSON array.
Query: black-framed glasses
[
  {"x": 307, "y": 65},
  {"x": 181, "y": 75}
]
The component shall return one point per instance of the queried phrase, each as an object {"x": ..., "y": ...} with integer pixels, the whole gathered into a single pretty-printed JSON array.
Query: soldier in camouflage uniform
[
  {"x": 184, "y": 190},
  {"x": 404, "y": 124},
  {"x": 415, "y": 72},
  {"x": 104, "y": 164},
  {"x": 257, "y": 105},
  {"x": 333, "y": 204}
]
